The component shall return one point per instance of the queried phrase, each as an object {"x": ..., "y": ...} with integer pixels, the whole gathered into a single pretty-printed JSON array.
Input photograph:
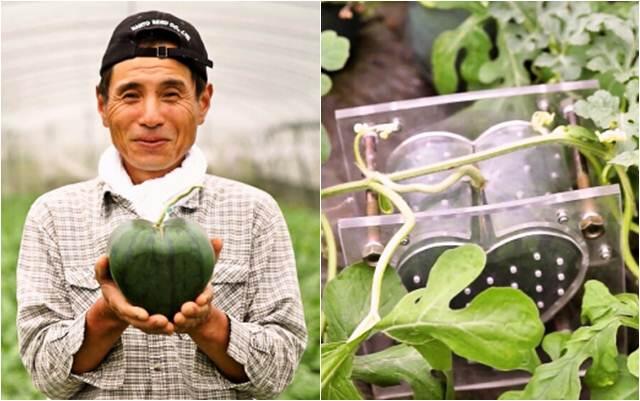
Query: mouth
[{"x": 151, "y": 142}]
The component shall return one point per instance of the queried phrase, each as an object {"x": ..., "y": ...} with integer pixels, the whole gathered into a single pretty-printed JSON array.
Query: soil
[{"x": 381, "y": 68}]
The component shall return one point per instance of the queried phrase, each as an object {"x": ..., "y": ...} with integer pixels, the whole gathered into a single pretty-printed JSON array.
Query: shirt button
[{"x": 156, "y": 368}]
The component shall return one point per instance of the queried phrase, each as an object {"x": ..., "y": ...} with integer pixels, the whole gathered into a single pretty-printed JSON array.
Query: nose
[{"x": 151, "y": 116}]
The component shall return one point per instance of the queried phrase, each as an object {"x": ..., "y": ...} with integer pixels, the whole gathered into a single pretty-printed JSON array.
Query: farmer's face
[{"x": 152, "y": 113}]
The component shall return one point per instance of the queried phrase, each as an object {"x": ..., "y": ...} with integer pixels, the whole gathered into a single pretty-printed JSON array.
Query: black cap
[{"x": 190, "y": 50}]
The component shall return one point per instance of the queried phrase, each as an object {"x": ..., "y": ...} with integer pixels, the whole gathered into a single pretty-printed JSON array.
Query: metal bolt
[
  {"x": 562, "y": 216},
  {"x": 371, "y": 252},
  {"x": 592, "y": 225},
  {"x": 605, "y": 252}
]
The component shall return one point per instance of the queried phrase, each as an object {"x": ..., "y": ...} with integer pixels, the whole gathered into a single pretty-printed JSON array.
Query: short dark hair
[{"x": 150, "y": 39}]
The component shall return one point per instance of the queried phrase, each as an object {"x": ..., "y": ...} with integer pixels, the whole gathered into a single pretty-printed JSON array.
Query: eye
[
  {"x": 173, "y": 95},
  {"x": 130, "y": 96}
]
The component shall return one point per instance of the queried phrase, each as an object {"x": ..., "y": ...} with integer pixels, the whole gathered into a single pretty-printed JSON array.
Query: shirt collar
[{"x": 108, "y": 199}]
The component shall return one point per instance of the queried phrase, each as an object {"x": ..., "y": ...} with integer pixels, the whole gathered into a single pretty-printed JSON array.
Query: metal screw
[
  {"x": 605, "y": 252},
  {"x": 405, "y": 241},
  {"x": 562, "y": 216}
]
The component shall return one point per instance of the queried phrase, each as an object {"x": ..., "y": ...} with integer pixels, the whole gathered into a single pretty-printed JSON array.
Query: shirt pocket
[
  {"x": 230, "y": 287},
  {"x": 83, "y": 287}
]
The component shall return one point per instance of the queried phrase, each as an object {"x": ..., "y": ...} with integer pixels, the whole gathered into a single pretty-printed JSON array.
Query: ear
[
  {"x": 102, "y": 106},
  {"x": 205, "y": 102}
]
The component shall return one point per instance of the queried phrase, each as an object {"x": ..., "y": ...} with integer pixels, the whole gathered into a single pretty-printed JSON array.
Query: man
[{"x": 79, "y": 337}]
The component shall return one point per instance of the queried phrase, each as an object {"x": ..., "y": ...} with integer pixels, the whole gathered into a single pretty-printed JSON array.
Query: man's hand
[
  {"x": 208, "y": 327},
  {"x": 193, "y": 314},
  {"x": 123, "y": 310}
]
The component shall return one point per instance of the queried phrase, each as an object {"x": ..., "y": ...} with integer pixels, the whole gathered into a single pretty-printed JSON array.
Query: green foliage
[
  {"x": 468, "y": 36},
  {"x": 400, "y": 363},
  {"x": 335, "y": 53},
  {"x": 554, "y": 343},
  {"x": 352, "y": 287},
  {"x": 325, "y": 84},
  {"x": 500, "y": 327},
  {"x": 559, "y": 379},
  {"x": 335, "y": 50},
  {"x": 550, "y": 42},
  {"x": 335, "y": 376},
  {"x": 325, "y": 145},
  {"x": 601, "y": 107},
  {"x": 304, "y": 227},
  {"x": 562, "y": 40},
  {"x": 620, "y": 121},
  {"x": 16, "y": 382},
  {"x": 632, "y": 363},
  {"x": 625, "y": 386}
]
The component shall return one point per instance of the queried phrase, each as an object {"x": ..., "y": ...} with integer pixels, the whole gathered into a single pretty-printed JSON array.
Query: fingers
[
  {"x": 191, "y": 315},
  {"x": 155, "y": 324},
  {"x": 191, "y": 310},
  {"x": 121, "y": 306},
  {"x": 216, "y": 243},
  {"x": 206, "y": 297},
  {"x": 102, "y": 269}
]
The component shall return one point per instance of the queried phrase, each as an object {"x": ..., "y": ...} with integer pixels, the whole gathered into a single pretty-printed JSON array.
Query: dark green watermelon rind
[{"x": 139, "y": 243}]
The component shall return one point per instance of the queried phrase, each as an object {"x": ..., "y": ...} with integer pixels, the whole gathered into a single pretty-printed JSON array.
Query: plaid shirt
[{"x": 254, "y": 282}]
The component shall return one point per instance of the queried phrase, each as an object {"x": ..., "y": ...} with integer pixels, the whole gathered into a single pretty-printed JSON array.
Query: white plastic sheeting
[{"x": 264, "y": 119}]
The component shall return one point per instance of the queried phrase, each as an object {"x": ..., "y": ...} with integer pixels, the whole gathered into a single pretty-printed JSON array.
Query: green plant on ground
[{"x": 334, "y": 56}]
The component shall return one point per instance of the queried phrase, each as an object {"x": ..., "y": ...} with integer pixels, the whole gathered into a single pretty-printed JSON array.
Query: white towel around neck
[{"x": 150, "y": 197}]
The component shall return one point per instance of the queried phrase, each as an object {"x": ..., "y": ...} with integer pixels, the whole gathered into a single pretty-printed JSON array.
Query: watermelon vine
[{"x": 406, "y": 321}]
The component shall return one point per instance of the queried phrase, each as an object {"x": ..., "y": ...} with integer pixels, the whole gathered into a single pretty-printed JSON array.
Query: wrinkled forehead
[{"x": 150, "y": 71}]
